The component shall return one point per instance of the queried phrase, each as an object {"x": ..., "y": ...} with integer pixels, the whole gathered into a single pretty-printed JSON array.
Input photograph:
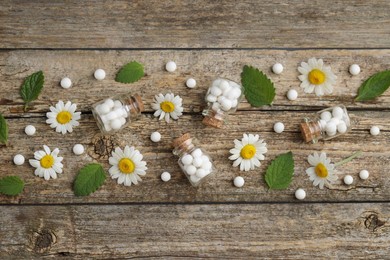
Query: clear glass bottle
[
  {"x": 114, "y": 113},
  {"x": 195, "y": 163},
  {"x": 326, "y": 124},
  {"x": 222, "y": 97}
]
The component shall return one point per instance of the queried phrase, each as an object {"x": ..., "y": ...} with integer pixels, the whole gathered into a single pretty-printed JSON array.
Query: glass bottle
[
  {"x": 195, "y": 163},
  {"x": 326, "y": 124},
  {"x": 222, "y": 97},
  {"x": 114, "y": 113}
]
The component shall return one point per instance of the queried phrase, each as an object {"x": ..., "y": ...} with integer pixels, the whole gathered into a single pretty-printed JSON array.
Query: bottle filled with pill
[
  {"x": 114, "y": 113},
  {"x": 326, "y": 124},
  {"x": 195, "y": 163}
]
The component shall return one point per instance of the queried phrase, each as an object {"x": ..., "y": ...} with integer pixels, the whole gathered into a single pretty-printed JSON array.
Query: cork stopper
[
  {"x": 140, "y": 103},
  {"x": 181, "y": 140},
  {"x": 213, "y": 119},
  {"x": 136, "y": 103},
  {"x": 310, "y": 131}
]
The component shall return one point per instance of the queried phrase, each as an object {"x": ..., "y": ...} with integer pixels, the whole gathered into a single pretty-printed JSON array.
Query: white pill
[
  {"x": 216, "y": 82},
  {"x": 207, "y": 166},
  {"x": 326, "y": 115},
  {"x": 215, "y": 91},
  {"x": 200, "y": 173},
  {"x": 104, "y": 119},
  {"x": 113, "y": 115},
  {"x": 278, "y": 127},
  {"x": 205, "y": 158},
  {"x": 18, "y": 159},
  {"x": 334, "y": 120},
  {"x": 107, "y": 127},
  {"x": 195, "y": 179},
  {"x": 197, "y": 162},
  {"x": 197, "y": 153},
  {"x": 191, "y": 83},
  {"x": 220, "y": 99},
  {"x": 109, "y": 102},
  {"x": 226, "y": 104},
  {"x": 190, "y": 169},
  {"x": 117, "y": 104},
  {"x": 211, "y": 98},
  {"x": 224, "y": 85},
  {"x": 216, "y": 107},
  {"x": 99, "y": 74},
  {"x": 123, "y": 120},
  {"x": 348, "y": 179},
  {"x": 234, "y": 103},
  {"x": 165, "y": 176},
  {"x": 233, "y": 93},
  {"x": 338, "y": 112},
  {"x": 342, "y": 127},
  {"x": 292, "y": 94},
  {"x": 187, "y": 159},
  {"x": 66, "y": 83},
  {"x": 115, "y": 124},
  {"x": 354, "y": 69},
  {"x": 375, "y": 130},
  {"x": 364, "y": 174},
  {"x": 30, "y": 130},
  {"x": 170, "y": 66},
  {"x": 78, "y": 149},
  {"x": 322, "y": 124},
  {"x": 155, "y": 137},
  {"x": 277, "y": 68},
  {"x": 300, "y": 194},
  {"x": 104, "y": 109},
  {"x": 330, "y": 128},
  {"x": 238, "y": 181}
]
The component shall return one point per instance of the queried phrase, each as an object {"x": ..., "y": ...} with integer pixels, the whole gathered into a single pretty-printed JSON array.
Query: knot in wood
[
  {"x": 43, "y": 240},
  {"x": 102, "y": 146},
  {"x": 373, "y": 222}
]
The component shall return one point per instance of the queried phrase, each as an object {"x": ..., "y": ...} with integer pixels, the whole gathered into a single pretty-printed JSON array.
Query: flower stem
[{"x": 350, "y": 158}]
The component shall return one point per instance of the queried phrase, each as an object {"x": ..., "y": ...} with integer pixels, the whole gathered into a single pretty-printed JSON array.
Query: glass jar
[
  {"x": 114, "y": 113},
  {"x": 195, "y": 163},
  {"x": 222, "y": 97},
  {"x": 326, "y": 124}
]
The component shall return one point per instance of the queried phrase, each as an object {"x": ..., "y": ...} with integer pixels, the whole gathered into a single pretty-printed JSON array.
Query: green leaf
[
  {"x": 3, "y": 130},
  {"x": 89, "y": 179},
  {"x": 279, "y": 174},
  {"x": 130, "y": 73},
  {"x": 258, "y": 88},
  {"x": 32, "y": 87},
  {"x": 374, "y": 86},
  {"x": 11, "y": 185}
]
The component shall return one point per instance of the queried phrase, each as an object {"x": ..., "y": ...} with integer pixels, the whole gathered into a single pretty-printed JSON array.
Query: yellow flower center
[
  {"x": 321, "y": 170},
  {"x": 126, "y": 166},
  {"x": 248, "y": 151},
  {"x": 316, "y": 77},
  {"x": 167, "y": 106},
  {"x": 64, "y": 117},
  {"x": 47, "y": 161}
]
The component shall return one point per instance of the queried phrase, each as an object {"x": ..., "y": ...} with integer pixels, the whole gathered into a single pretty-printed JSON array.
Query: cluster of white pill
[
  {"x": 197, "y": 165},
  {"x": 112, "y": 113},
  {"x": 224, "y": 95},
  {"x": 334, "y": 122}
]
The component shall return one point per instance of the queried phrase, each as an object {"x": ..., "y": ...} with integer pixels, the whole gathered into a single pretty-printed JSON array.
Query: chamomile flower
[
  {"x": 316, "y": 77},
  {"x": 248, "y": 152},
  {"x": 168, "y": 106},
  {"x": 63, "y": 117},
  {"x": 323, "y": 172},
  {"x": 47, "y": 163},
  {"x": 127, "y": 165}
]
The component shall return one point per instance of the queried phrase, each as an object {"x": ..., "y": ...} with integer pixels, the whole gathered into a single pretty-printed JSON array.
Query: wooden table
[{"x": 207, "y": 39}]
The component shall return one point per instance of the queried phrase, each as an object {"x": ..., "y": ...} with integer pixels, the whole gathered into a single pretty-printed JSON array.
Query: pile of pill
[
  {"x": 334, "y": 122},
  {"x": 112, "y": 113},
  {"x": 224, "y": 95},
  {"x": 196, "y": 165}
]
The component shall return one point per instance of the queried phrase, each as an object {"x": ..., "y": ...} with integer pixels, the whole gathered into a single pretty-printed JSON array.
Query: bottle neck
[
  {"x": 311, "y": 130},
  {"x": 133, "y": 107},
  {"x": 185, "y": 147}
]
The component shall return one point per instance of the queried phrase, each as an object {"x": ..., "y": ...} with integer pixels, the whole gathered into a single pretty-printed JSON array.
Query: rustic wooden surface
[{"x": 206, "y": 39}]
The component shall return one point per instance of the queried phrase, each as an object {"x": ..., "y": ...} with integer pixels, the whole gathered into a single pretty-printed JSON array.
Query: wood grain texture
[
  {"x": 277, "y": 231},
  {"x": 194, "y": 24}
]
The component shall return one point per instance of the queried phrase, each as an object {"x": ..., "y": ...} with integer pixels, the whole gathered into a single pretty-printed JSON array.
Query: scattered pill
[
  {"x": 300, "y": 194},
  {"x": 292, "y": 94},
  {"x": 170, "y": 66},
  {"x": 66, "y": 83},
  {"x": 238, "y": 181},
  {"x": 99, "y": 74},
  {"x": 155, "y": 137},
  {"x": 364, "y": 174},
  {"x": 375, "y": 130},
  {"x": 191, "y": 83},
  {"x": 354, "y": 69},
  {"x": 30, "y": 130},
  {"x": 78, "y": 149},
  {"x": 348, "y": 179},
  {"x": 278, "y": 127},
  {"x": 165, "y": 176},
  {"x": 277, "y": 68},
  {"x": 18, "y": 159}
]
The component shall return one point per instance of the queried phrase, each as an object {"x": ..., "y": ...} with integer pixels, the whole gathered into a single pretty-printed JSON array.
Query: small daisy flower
[
  {"x": 248, "y": 152},
  {"x": 63, "y": 117},
  {"x": 323, "y": 172},
  {"x": 127, "y": 165},
  {"x": 316, "y": 77},
  {"x": 168, "y": 106},
  {"x": 47, "y": 163}
]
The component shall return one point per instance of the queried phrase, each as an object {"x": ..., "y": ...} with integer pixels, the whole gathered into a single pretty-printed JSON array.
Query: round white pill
[
  {"x": 342, "y": 127},
  {"x": 207, "y": 165},
  {"x": 197, "y": 161},
  {"x": 109, "y": 102},
  {"x": 234, "y": 93},
  {"x": 187, "y": 159},
  {"x": 238, "y": 181},
  {"x": 226, "y": 104},
  {"x": 191, "y": 83},
  {"x": 99, "y": 74},
  {"x": 215, "y": 91},
  {"x": 216, "y": 107},
  {"x": 375, "y": 130},
  {"x": 330, "y": 128},
  {"x": 190, "y": 169},
  {"x": 205, "y": 158},
  {"x": 104, "y": 109},
  {"x": 354, "y": 69},
  {"x": 195, "y": 179},
  {"x": 278, "y": 127},
  {"x": 326, "y": 115},
  {"x": 30, "y": 130},
  {"x": 224, "y": 85},
  {"x": 211, "y": 98},
  {"x": 18, "y": 159},
  {"x": 107, "y": 127},
  {"x": 170, "y": 66},
  {"x": 66, "y": 83},
  {"x": 234, "y": 103},
  {"x": 165, "y": 176},
  {"x": 155, "y": 137},
  {"x": 113, "y": 115},
  {"x": 348, "y": 179},
  {"x": 200, "y": 173},
  {"x": 115, "y": 124},
  {"x": 277, "y": 68},
  {"x": 78, "y": 149},
  {"x": 334, "y": 120},
  {"x": 300, "y": 194},
  {"x": 216, "y": 82},
  {"x": 123, "y": 120},
  {"x": 364, "y": 174},
  {"x": 197, "y": 153},
  {"x": 322, "y": 123},
  {"x": 292, "y": 94},
  {"x": 117, "y": 104},
  {"x": 338, "y": 112}
]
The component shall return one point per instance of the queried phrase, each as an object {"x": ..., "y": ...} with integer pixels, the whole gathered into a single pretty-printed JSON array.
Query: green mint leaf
[
  {"x": 258, "y": 88},
  {"x": 3, "y": 130},
  {"x": 89, "y": 179},
  {"x": 32, "y": 87},
  {"x": 374, "y": 86},
  {"x": 11, "y": 185},
  {"x": 130, "y": 73},
  {"x": 279, "y": 174}
]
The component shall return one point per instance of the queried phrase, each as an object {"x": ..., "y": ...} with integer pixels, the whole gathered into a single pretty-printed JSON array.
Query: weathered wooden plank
[
  {"x": 199, "y": 24},
  {"x": 277, "y": 231}
]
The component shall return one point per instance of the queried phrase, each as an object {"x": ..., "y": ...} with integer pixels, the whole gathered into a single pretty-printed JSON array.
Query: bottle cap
[{"x": 180, "y": 140}]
